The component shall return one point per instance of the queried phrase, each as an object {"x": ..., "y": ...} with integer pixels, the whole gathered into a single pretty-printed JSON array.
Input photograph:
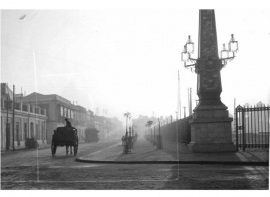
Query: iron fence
[{"x": 252, "y": 127}]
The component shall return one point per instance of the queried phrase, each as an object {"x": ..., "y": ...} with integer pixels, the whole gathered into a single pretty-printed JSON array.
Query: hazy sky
[{"x": 126, "y": 58}]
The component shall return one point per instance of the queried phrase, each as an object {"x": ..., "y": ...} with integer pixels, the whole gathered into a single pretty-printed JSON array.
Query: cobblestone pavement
[
  {"x": 145, "y": 151},
  {"x": 30, "y": 169}
]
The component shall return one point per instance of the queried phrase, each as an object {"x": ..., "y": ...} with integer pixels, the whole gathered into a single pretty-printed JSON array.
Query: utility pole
[
  {"x": 7, "y": 125},
  {"x": 188, "y": 103},
  {"x": 159, "y": 135},
  {"x": 127, "y": 126},
  {"x": 179, "y": 97},
  {"x": 158, "y": 126},
  {"x": 234, "y": 118},
  {"x": 176, "y": 125},
  {"x": 190, "y": 98},
  {"x": 13, "y": 119}
]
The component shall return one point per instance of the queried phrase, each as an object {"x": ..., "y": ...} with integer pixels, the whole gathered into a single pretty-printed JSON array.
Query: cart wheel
[
  {"x": 75, "y": 150},
  {"x": 53, "y": 148}
]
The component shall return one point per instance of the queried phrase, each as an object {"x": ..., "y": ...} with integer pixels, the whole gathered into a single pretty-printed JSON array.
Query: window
[
  {"x": 16, "y": 137},
  {"x": 61, "y": 111},
  {"x": 25, "y": 131},
  {"x": 42, "y": 132},
  {"x": 68, "y": 113},
  {"x": 37, "y": 133},
  {"x": 71, "y": 114},
  {"x": 65, "y": 112},
  {"x": 19, "y": 135},
  {"x": 32, "y": 130}
]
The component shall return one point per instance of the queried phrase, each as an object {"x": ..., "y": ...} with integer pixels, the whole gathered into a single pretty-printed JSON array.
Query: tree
[{"x": 149, "y": 123}]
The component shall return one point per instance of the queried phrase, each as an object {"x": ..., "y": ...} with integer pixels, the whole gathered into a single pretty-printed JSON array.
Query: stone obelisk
[{"x": 211, "y": 125}]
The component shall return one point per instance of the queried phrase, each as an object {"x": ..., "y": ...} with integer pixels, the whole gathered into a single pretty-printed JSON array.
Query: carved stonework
[
  {"x": 210, "y": 80},
  {"x": 208, "y": 64},
  {"x": 208, "y": 35}
]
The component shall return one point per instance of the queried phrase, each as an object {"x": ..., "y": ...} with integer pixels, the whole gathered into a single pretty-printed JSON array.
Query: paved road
[{"x": 30, "y": 169}]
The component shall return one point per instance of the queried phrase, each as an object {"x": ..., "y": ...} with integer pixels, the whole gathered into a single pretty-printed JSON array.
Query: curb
[{"x": 244, "y": 163}]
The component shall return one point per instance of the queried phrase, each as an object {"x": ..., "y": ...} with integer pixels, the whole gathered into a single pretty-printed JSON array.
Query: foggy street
[
  {"x": 31, "y": 169},
  {"x": 135, "y": 95}
]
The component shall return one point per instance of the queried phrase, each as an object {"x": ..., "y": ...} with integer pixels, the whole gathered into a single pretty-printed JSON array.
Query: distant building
[
  {"x": 80, "y": 121},
  {"x": 30, "y": 121},
  {"x": 58, "y": 108},
  {"x": 100, "y": 124},
  {"x": 90, "y": 119},
  {"x": 108, "y": 127}
]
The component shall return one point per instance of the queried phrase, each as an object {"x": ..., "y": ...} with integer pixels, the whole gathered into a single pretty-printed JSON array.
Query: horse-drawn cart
[
  {"x": 91, "y": 135},
  {"x": 65, "y": 136}
]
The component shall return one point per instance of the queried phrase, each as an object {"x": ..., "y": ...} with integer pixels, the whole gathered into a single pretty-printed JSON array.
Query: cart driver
[{"x": 68, "y": 124}]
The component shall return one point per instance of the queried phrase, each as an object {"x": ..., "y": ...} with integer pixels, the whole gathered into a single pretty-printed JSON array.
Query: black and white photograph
[{"x": 135, "y": 96}]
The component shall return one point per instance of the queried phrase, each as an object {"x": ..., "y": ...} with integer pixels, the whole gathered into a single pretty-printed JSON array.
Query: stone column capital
[{"x": 209, "y": 64}]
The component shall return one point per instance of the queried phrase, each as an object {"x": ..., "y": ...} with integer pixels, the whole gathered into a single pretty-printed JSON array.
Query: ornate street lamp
[
  {"x": 224, "y": 53},
  {"x": 130, "y": 126},
  {"x": 127, "y": 115},
  {"x": 233, "y": 48},
  {"x": 210, "y": 112}
]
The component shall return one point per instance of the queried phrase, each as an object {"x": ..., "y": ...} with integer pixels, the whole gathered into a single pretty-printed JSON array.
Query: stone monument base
[
  {"x": 211, "y": 131},
  {"x": 211, "y": 148}
]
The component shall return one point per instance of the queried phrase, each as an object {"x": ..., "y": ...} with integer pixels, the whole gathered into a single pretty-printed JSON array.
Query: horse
[{"x": 70, "y": 147}]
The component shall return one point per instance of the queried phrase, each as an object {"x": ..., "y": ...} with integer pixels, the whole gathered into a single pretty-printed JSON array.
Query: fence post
[
  {"x": 243, "y": 129},
  {"x": 236, "y": 122}
]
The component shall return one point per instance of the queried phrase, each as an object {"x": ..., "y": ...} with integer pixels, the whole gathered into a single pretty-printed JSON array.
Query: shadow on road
[{"x": 217, "y": 177}]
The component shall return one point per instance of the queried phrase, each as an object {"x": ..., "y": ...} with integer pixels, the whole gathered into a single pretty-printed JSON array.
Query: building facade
[
  {"x": 58, "y": 109},
  {"x": 90, "y": 119},
  {"x": 38, "y": 115},
  {"x": 29, "y": 121},
  {"x": 80, "y": 122}
]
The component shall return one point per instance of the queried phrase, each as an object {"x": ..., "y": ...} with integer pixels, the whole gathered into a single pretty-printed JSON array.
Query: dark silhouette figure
[{"x": 68, "y": 124}]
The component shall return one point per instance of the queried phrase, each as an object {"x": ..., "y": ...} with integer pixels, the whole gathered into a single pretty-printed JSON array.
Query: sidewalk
[
  {"x": 145, "y": 152},
  {"x": 24, "y": 149}
]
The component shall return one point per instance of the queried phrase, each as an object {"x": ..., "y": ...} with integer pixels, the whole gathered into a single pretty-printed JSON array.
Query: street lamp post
[
  {"x": 127, "y": 143},
  {"x": 148, "y": 124},
  {"x": 210, "y": 110},
  {"x": 176, "y": 125},
  {"x": 7, "y": 126},
  {"x": 224, "y": 53},
  {"x": 13, "y": 119},
  {"x": 208, "y": 65},
  {"x": 126, "y": 115}
]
